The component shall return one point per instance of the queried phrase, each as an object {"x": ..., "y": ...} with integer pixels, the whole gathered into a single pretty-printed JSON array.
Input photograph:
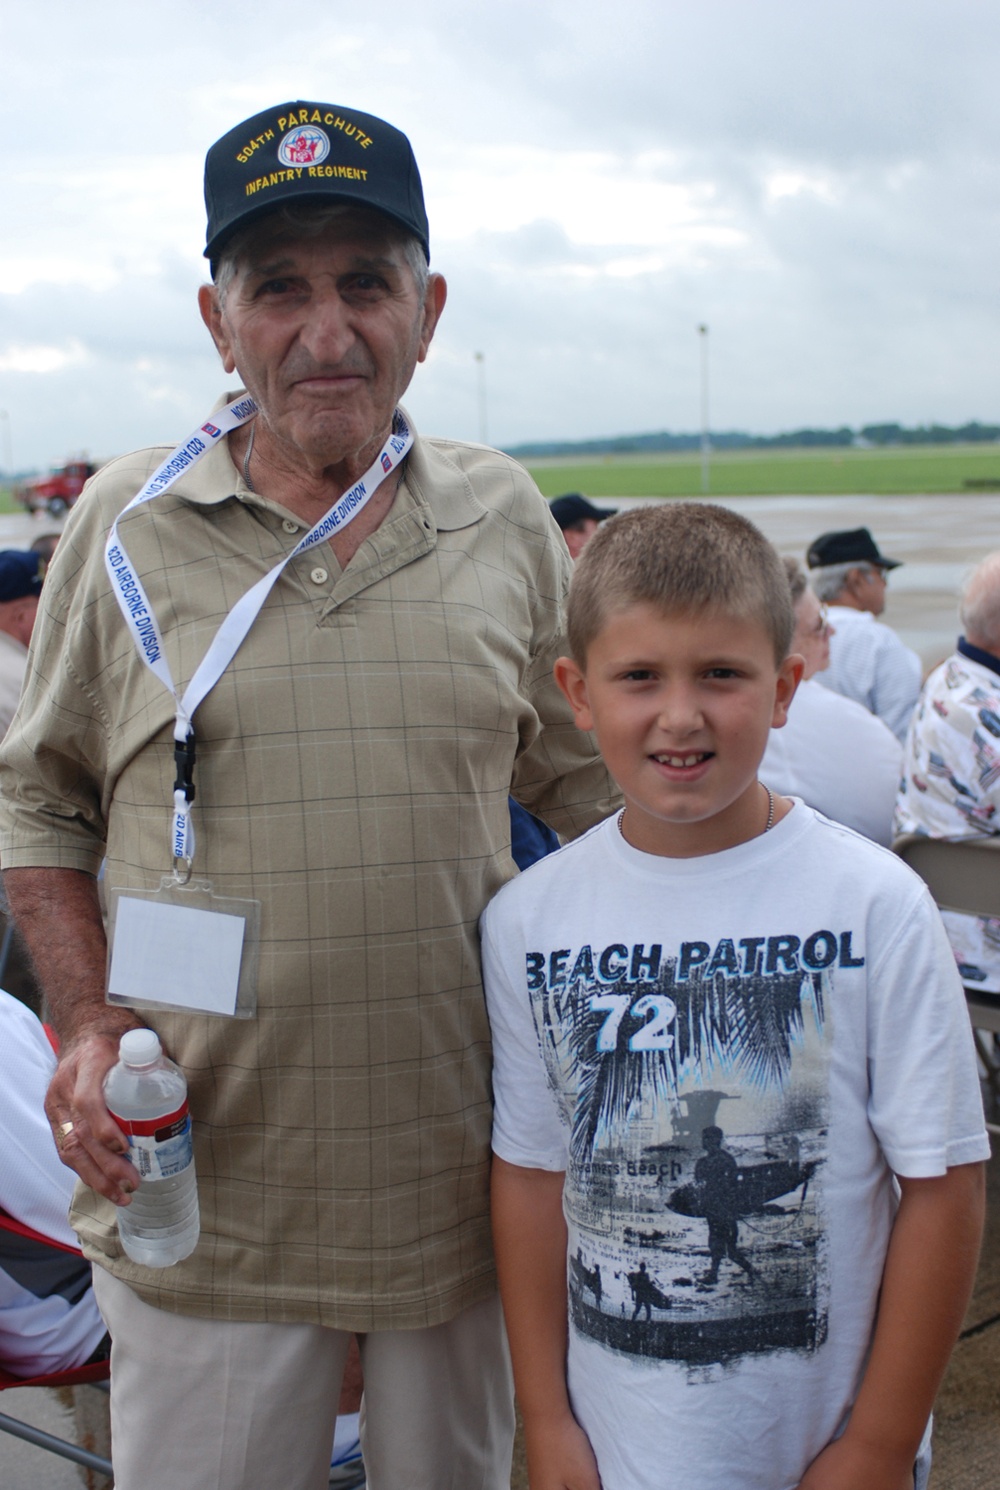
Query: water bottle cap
[{"x": 139, "y": 1047}]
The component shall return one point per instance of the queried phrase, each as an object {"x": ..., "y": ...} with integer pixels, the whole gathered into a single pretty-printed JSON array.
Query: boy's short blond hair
[{"x": 682, "y": 557}]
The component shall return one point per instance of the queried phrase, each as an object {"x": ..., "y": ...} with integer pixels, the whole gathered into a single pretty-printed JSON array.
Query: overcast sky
[{"x": 816, "y": 182}]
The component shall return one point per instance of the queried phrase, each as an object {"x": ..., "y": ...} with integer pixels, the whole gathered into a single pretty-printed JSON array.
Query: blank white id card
[{"x": 185, "y": 949}]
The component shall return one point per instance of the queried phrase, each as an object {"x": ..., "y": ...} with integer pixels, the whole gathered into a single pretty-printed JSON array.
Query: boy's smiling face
[{"x": 681, "y": 705}]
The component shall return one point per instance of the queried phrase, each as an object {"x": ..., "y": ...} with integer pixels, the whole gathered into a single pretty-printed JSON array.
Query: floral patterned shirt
[{"x": 951, "y": 785}]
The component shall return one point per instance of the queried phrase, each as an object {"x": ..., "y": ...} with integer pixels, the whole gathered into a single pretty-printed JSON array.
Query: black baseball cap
[
  {"x": 574, "y": 508},
  {"x": 21, "y": 574},
  {"x": 310, "y": 152},
  {"x": 851, "y": 546}
]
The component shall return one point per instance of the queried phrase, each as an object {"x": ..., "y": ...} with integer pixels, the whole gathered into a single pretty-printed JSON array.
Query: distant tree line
[{"x": 868, "y": 434}]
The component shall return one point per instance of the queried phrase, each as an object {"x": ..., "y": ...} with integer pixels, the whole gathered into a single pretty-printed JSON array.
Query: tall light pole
[
  {"x": 706, "y": 444},
  {"x": 8, "y": 446},
  {"x": 481, "y": 364}
]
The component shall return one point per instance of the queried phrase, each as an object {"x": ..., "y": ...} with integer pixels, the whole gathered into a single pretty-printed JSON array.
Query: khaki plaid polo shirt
[{"x": 353, "y": 769}]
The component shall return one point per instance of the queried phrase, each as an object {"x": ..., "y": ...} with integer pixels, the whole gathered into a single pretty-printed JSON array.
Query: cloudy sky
[{"x": 819, "y": 183}]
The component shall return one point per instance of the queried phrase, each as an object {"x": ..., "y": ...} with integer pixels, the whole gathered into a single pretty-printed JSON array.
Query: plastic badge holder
[{"x": 185, "y": 949}]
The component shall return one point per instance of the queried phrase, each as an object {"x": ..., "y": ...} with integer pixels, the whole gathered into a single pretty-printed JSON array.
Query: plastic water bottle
[{"x": 147, "y": 1096}]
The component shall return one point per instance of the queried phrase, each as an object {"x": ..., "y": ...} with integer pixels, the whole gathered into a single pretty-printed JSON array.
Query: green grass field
[
  {"x": 903, "y": 469},
  {"x": 899, "y": 470}
]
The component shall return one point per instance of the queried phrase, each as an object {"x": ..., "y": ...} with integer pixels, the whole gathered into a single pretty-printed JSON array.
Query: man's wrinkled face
[
  {"x": 865, "y": 588},
  {"x": 325, "y": 332}
]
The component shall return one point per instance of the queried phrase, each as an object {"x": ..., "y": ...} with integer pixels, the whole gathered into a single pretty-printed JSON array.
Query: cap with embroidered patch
[{"x": 310, "y": 152}]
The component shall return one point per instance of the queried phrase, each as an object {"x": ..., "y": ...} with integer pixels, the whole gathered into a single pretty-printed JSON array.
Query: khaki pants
[{"x": 206, "y": 1404}]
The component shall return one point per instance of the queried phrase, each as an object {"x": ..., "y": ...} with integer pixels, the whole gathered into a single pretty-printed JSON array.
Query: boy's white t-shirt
[{"x": 797, "y": 997}]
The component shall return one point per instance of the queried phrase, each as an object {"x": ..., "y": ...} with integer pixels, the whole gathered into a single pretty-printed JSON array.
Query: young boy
[{"x": 722, "y": 1024}]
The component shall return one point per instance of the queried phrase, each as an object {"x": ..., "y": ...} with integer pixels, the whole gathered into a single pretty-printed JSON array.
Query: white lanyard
[{"x": 141, "y": 620}]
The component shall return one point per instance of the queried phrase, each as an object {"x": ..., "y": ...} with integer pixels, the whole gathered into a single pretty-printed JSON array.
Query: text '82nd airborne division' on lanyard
[{"x": 181, "y": 946}]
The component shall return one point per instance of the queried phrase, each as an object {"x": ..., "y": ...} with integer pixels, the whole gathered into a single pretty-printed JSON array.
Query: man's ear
[
  {"x": 434, "y": 298},
  {"x": 572, "y": 683},
  {"x": 789, "y": 677},
  {"x": 211, "y": 314},
  {"x": 854, "y": 581}
]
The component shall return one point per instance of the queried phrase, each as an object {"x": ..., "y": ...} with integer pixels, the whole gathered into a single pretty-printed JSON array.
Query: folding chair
[
  {"x": 965, "y": 876},
  {"x": 97, "y": 1372}
]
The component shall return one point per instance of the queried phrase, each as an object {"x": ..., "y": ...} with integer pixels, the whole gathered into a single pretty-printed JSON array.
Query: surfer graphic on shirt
[
  {"x": 709, "y": 1242},
  {"x": 718, "y": 1175}
]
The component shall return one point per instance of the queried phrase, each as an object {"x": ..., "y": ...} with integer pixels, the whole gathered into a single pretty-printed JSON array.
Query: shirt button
[
  {"x": 289, "y": 526},
  {"x": 318, "y": 576}
]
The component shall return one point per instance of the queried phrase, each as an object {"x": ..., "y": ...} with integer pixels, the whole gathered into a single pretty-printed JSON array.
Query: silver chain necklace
[{"x": 770, "y": 805}]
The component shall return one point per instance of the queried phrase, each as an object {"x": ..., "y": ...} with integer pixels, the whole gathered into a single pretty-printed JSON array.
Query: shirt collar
[
  {"x": 435, "y": 481},
  {"x": 845, "y": 614},
  {"x": 976, "y": 654}
]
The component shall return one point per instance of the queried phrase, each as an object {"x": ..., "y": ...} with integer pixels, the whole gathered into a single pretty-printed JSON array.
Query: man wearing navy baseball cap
[
  {"x": 21, "y": 575},
  {"x": 578, "y": 520},
  {"x": 868, "y": 662},
  {"x": 341, "y": 637}
]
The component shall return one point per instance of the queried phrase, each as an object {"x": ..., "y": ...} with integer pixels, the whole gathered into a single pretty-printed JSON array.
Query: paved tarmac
[
  {"x": 79, "y": 1416},
  {"x": 967, "y": 1417}
]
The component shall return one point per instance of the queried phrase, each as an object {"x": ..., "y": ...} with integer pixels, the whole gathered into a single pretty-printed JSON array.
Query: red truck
[{"x": 56, "y": 492}]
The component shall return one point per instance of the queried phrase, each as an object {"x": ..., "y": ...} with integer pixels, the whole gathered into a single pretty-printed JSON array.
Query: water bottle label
[{"x": 159, "y": 1148}]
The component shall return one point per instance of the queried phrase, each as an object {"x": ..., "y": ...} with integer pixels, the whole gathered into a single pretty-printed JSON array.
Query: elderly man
[
  {"x": 868, "y": 662},
  {"x": 21, "y": 576},
  {"x": 951, "y": 760},
  {"x": 362, "y": 626}
]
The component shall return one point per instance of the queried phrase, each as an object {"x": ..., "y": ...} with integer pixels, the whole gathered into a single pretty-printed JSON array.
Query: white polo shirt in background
[
  {"x": 870, "y": 664},
  {"x": 838, "y": 758}
]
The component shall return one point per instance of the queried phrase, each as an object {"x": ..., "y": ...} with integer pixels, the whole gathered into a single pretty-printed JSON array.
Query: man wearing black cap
[
  {"x": 20, "y": 586},
  {"x": 868, "y": 662},
  {"x": 578, "y": 519},
  {"x": 335, "y": 639}
]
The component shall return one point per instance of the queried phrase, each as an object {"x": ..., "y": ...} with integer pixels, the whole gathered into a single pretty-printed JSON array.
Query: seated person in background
[
  {"x": 832, "y": 752},
  {"x": 951, "y": 761},
  {"x": 49, "y": 1319},
  {"x": 21, "y": 575},
  {"x": 578, "y": 520},
  {"x": 45, "y": 545},
  {"x": 868, "y": 662}
]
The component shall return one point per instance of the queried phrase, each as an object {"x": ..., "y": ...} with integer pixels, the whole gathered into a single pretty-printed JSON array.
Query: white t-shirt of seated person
[
  {"x": 728, "y": 1057},
  {"x": 838, "y": 758},
  {"x": 870, "y": 664}
]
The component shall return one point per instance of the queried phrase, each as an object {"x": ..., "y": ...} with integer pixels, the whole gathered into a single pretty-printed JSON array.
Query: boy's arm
[
  {"x": 529, "y": 1234},
  {"x": 930, "y": 1268}
]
